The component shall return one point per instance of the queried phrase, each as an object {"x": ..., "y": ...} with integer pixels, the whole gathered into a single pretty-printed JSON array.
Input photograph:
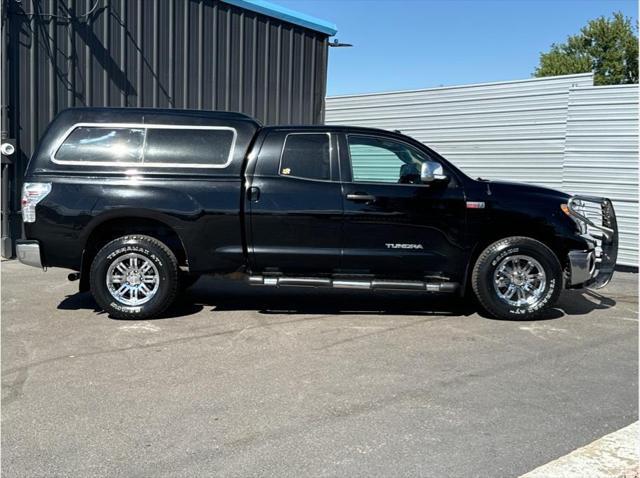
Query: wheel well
[{"x": 114, "y": 228}]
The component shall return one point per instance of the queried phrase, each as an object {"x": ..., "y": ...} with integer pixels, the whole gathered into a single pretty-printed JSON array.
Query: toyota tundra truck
[{"x": 138, "y": 203}]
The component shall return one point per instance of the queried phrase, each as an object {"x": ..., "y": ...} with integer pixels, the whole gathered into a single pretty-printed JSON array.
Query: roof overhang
[{"x": 276, "y": 11}]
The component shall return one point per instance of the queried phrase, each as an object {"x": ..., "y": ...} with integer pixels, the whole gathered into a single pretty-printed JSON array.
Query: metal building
[
  {"x": 560, "y": 132},
  {"x": 233, "y": 55}
]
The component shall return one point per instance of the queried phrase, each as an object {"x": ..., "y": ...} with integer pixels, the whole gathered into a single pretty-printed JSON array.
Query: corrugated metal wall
[
  {"x": 601, "y": 155},
  {"x": 202, "y": 54},
  {"x": 509, "y": 130},
  {"x": 559, "y": 132}
]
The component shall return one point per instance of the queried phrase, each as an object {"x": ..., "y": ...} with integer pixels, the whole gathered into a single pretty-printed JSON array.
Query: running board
[{"x": 277, "y": 281}]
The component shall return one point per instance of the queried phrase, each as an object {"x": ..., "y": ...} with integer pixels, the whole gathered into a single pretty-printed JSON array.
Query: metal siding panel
[
  {"x": 165, "y": 52},
  {"x": 601, "y": 155},
  {"x": 248, "y": 45},
  {"x": 147, "y": 47},
  {"x": 296, "y": 115},
  {"x": 234, "y": 59},
  {"x": 283, "y": 87},
  {"x": 272, "y": 73}
]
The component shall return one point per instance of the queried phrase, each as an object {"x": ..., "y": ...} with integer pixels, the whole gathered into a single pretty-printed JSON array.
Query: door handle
[
  {"x": 254, "y": 194},
  {"x": 358, "y": 197}
]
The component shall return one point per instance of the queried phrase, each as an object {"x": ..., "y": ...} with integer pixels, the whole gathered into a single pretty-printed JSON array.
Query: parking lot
[{"x": 240, "y": 381}]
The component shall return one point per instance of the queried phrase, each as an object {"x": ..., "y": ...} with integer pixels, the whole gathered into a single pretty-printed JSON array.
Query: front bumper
[
  {"x": 28, "y": 253},
  {"x": 582, "y": 265},
  {"x": 595, "y": 267}
]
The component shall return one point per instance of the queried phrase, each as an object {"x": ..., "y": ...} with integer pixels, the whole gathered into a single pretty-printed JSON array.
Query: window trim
[
  {"x": 145, "y": 126},
  {"x": 388, "y": 183},
  {"x": 284, "y": 145}
]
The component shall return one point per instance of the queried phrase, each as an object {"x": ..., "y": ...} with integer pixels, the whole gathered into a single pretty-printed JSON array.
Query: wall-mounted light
[{"x": 336, "y": 44}]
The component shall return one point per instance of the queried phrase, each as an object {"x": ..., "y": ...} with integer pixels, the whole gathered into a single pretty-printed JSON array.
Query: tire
[
  {"x": 158, "y": 274},
  {"x": 505, "y": 290}
]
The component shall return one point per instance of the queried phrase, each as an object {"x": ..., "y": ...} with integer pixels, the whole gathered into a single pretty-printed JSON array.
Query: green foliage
[{"x": 608, "y": 47}]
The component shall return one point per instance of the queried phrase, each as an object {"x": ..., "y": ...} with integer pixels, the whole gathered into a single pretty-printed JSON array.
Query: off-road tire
[
  {"x": 483, "y": 273},
  {"x": 154, "y": 250}
]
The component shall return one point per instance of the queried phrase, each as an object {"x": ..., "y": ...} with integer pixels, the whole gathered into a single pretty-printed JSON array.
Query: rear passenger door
[{"x": 294, "y": 200}]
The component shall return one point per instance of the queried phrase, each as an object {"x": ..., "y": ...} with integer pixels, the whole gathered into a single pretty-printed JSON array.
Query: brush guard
[{"x": 594, "y": 268}]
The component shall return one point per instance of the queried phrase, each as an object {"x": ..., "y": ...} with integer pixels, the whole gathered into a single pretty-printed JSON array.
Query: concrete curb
[{"x": 612, "y": 456}]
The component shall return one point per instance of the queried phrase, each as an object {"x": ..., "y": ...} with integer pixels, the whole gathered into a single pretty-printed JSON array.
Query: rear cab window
[
  {"x": 147, "y": 146},
  {"x": 307, "y": 156}
]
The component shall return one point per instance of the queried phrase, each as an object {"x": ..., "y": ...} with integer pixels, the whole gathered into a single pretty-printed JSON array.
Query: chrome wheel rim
[
  {"x": 519, "y": 280},
  {"x": 132, "y": 279}
]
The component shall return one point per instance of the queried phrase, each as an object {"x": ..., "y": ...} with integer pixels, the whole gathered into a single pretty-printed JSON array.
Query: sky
[{"x": 409, "y": 44}]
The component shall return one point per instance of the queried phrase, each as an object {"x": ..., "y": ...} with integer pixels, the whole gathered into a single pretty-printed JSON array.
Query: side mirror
[{"x": 431, "y": 171}]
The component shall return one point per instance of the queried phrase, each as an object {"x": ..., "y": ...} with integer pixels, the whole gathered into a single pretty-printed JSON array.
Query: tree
[{"x": 608, "y": 47}]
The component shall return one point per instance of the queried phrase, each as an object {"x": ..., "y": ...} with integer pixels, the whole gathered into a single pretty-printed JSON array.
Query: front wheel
[
  {"x": 517, "y": 278},
  {"x": 134, "y": 277}
]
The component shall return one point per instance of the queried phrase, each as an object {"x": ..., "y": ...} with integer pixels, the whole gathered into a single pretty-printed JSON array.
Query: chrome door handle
[{"x": 357, "y": 197}]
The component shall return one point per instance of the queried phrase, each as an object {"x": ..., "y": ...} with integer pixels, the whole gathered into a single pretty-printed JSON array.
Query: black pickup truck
[{"x": 141, "y": 202}]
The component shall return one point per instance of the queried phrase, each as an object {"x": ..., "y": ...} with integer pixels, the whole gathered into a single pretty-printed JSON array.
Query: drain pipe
[{"x": 7, "y": 146}]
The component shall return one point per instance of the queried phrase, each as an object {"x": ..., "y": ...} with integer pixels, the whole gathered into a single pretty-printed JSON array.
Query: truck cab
[{"x": 168, "y": 195}]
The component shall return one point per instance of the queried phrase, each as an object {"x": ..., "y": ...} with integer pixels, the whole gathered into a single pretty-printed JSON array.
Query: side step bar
[{"x": 372, "y": 284}]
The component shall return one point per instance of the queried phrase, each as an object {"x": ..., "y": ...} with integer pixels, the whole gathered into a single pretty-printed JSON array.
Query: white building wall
[
  {"x": 512, "y": 130},
  {"x": 601, "y": 155},
  {"x": 554, "y": 131}
]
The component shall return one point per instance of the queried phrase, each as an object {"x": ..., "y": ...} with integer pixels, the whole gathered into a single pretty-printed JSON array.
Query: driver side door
[{"x": 395, "y": 226}]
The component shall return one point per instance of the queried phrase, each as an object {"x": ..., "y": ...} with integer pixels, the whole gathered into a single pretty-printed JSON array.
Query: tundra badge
[{"x": 404, "y": 246}]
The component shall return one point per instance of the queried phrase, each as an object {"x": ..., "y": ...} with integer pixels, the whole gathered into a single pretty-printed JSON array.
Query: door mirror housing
[{"x": 431, "y": 171}]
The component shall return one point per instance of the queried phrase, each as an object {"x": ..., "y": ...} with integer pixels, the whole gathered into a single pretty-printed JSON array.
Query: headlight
[{"x": 582, "y": 226}]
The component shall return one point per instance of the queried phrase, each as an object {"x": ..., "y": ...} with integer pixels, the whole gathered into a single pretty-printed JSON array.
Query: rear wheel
[
  {"x": 517, "y": 278},
  {"x": 134, "y": 277}
]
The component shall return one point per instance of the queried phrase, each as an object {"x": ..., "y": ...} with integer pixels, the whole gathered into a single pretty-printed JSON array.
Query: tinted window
[
  {"x": 96, "y": 144},
  {"x": 381, "y": 160},
  {"x": 188, "y": 146},
  {"x": 306, "y": 156}
]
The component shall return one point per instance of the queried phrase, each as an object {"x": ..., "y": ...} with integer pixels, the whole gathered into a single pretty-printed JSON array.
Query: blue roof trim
[{"x": 291, "y": 16}]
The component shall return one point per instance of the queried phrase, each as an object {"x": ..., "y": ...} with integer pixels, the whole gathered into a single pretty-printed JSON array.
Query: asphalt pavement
[{"x": 244, "y": 381}]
